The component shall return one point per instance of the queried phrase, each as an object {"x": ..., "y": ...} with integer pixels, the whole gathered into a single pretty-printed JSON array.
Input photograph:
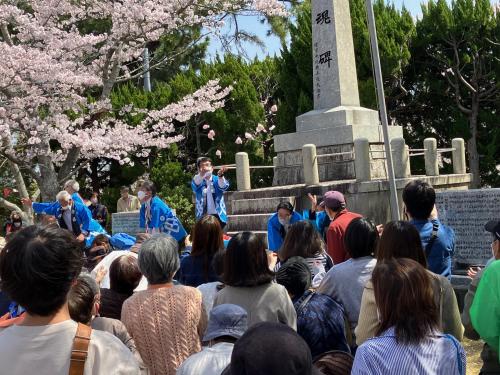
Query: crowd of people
[{"x": 330, "y": 293}]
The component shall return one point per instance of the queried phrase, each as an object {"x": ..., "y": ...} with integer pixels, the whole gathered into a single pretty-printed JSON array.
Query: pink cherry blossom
[
  {"x": 218, "y": 153},
  {"x": 206, "y": 126},
  {"x": 48, "y": 67},
  {"x": 274, "y": 108},
  {"x": 238, "y": 141},
  {"x": 260, "y": 128},
  {"x": 211, "y": 135},
  {"x": 272, "y": 128}
]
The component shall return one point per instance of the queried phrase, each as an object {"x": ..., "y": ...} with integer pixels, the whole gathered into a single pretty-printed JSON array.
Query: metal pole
[
  {"x": 147, "y": 81},
  {"x": 383, "y": 112}
]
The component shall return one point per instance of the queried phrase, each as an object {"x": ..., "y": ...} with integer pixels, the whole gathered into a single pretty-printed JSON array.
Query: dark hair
[
  {"x": 334, "y": 362},
  {"x": 202, "y": 159},
  {"x": 124, "y": 274},
  {"x": 361, "y": 237},
  {"x": 207, "y": 240},
  {"x": 149, "y": 186},
  {"x": 37, "y": 267},
  {"x": 295, "y": 276},
  {"x": 400, "y": 239},
  {"x": 15, "y": 213},
  {"x": 285, "y": 205},
  {"x": 123, "y": 188},
  {"x": 245, "y": 262},
  {"x": 81, "y": 298},
  {"x": 94, "y": 194},
  {"x": 419, "y": 198},
  {"x": 302, "y": 240},
  {"x": 218, "y": 263},
  {"x": 100, "y": 240},
  {"x": 405, "y": 300}
]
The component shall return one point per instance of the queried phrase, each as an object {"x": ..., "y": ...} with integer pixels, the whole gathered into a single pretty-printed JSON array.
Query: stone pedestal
[{"x": 330, "y": 140}]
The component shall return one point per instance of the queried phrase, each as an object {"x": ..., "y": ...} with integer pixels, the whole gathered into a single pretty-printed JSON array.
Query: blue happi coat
[
  {"x": 218, "y": 194},
  {"x": 276, "y": 231},
  {"x": 53, "y": 208},
  {"x": 162, "y": 219}
]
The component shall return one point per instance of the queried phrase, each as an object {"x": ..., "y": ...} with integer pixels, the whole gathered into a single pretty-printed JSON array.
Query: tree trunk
[
  {"x": 94, "y": 175},
  {"x": 197, "y": 135},
  {"x": 472, "y": 144},
  {"x": 48, "y": 181}
]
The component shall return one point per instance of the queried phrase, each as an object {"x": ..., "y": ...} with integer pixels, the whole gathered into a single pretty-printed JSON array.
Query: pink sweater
[{"x": 167, "y": 325}]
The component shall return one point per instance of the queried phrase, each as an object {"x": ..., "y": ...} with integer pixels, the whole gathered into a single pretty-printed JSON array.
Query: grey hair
[
  {"x": 64, "y": 195},
  {"x": 159, "y": 258},
  {"x": 89, "y": 279},
  {"x": 73, "y": 184}
]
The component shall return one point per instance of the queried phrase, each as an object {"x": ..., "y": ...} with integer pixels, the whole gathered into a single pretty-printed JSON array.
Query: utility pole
[{"x": 372, "y": 29}]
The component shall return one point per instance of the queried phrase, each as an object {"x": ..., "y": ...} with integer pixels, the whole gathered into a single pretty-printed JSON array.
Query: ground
[{"x": 473, "y": 350}]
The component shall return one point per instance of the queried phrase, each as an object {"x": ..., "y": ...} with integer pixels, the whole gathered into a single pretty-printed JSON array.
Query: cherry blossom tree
[{"x": 56, "y": 79}]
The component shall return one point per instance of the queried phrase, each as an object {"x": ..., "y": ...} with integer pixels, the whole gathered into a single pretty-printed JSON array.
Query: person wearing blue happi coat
[
  {"x": 209, "y": 191},
  {"x": 278, "y": 224},
  {"x": 156, "y": 216},
  {"x": 52, "y": 208},
  {"x": 70, "y": 215}
]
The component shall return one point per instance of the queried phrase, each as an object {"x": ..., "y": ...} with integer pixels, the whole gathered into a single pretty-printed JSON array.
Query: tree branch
[
  {"x": 67, "y": 168},
  {"x": 6, "y": 35}
]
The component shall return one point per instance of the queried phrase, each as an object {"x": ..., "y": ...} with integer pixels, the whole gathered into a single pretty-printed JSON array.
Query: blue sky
[{"x": 272, "y": 44}]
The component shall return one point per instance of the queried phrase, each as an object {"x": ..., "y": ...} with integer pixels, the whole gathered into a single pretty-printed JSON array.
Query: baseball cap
[
  {"x": 333, "y": 199},
  {"x": 493, "y": 227},
  {"x": 226, "y": 320}
]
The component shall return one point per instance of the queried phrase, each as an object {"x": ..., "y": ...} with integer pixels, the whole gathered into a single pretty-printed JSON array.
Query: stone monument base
[{"x": 332, "y": 140}]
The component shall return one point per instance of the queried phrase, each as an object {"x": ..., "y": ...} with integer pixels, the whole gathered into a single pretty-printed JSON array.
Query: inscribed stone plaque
[
  {"x": 466, "y": 211},
  {"x": 126, "y": 222},
  {"x": 334, "y": 67}
]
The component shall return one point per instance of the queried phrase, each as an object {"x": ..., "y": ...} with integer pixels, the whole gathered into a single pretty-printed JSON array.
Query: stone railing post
[
  {"x": 458, "y": 156},
  {"x": 407, "y": 156},
  {"x": 242, "y": 171},
  {"x": 362, "y": 160},
  {"x": 400, "y": 157},
  {"x": 310, "y": 165},
  {"x": 431, "y": 157}
]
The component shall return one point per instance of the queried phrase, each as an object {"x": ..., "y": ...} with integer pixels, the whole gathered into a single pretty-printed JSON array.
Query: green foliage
[
  {"x": 173, "y": 185},
  {"x": 462, "y": 35}
]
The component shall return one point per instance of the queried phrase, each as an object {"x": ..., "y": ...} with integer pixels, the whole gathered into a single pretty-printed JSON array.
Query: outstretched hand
[
  {"x": 26, "y": 202},
  {"x": 314, "y": 201},
  {"x": 221, "y": 171}
]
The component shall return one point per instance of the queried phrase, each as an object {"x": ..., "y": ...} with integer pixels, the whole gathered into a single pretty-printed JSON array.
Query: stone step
[
  {"x": 240, "y": 223},
  {"x": 258, "y": 206}
]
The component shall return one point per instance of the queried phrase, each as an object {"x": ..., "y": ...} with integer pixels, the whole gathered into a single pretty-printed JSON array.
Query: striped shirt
[{"x": 438, "y": 354}]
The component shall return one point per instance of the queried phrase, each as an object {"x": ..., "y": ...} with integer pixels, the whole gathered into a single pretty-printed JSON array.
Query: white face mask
[
  {"x": 93, "y": 200},
  {"x": 284, "y": 221},
  {"x": 65, "y": 208},
  {"x": 17, "y": 224},
  {"x": 141, "y": 195}
]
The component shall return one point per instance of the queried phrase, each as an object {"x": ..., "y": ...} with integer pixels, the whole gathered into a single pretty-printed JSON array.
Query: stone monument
[
  {"x": 337, "y": 119},
  {"x": 467, "y": 212},
  {"x": 125, "y": 222}
]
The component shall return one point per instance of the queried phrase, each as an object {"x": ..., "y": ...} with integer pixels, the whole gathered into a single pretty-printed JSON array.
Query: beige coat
[
  {"x": 444, "y": 296},
  {"x": 131, "y": 204}
]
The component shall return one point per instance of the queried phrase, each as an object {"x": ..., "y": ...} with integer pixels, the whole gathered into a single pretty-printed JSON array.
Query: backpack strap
[
  {"x": 434, "y": 236},
  {"x": 80, "y": 349}
]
